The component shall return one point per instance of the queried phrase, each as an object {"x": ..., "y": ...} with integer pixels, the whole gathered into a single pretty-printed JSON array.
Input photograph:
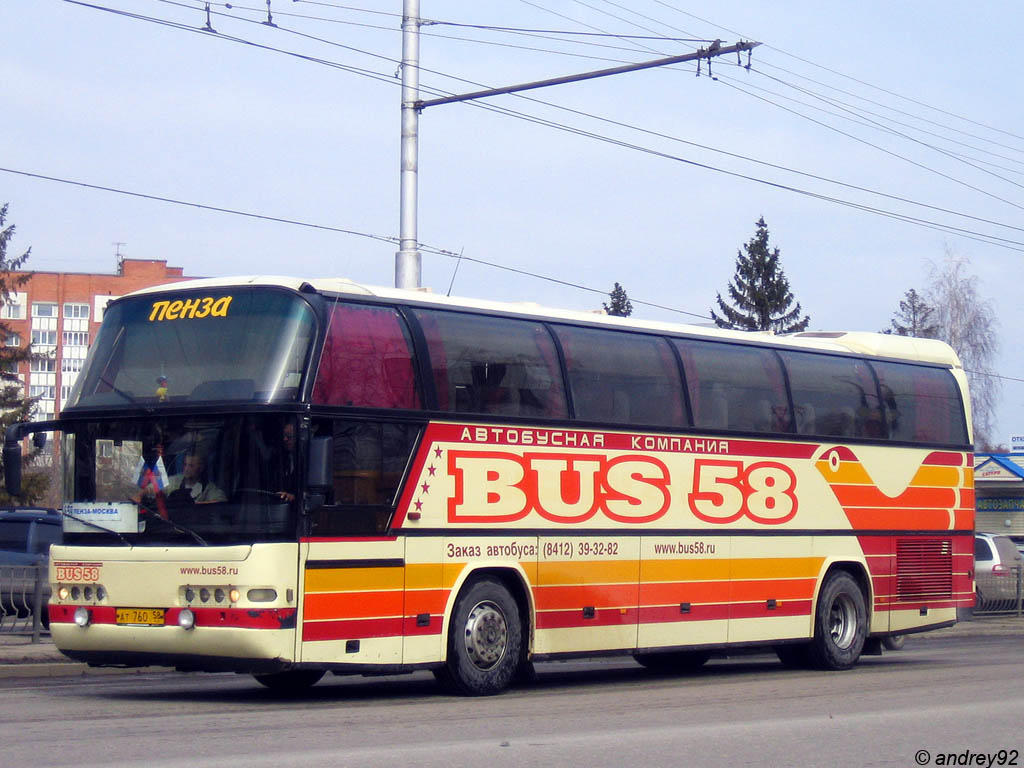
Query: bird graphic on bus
[{"x": 939, "y": 495}]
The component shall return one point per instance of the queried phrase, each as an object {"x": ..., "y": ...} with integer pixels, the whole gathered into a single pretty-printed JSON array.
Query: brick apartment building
[{"x": 59, "y": 314}]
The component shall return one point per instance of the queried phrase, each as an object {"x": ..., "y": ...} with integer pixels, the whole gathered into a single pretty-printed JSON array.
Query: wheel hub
[{"x": 486, "y": 635}]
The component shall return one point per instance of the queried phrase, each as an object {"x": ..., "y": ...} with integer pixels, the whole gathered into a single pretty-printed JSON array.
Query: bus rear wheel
[
  {"x": 290, "y": 681},
  {"x": 484, "y": 639},
  {"x": 840, "y": 623}
]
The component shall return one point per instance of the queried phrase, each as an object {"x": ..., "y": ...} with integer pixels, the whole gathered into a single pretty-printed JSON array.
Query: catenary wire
[{"x": 970, "y": 234}]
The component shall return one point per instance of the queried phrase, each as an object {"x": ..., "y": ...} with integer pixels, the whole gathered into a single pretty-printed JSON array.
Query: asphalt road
[{"x": 947, "y": 696}]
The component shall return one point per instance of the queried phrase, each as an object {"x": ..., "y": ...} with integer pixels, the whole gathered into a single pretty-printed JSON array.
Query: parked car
[
  {"x": 1018, "y": 541},
  {"x": 26, "y": 534},
  {"x": 996, "y": 564}
]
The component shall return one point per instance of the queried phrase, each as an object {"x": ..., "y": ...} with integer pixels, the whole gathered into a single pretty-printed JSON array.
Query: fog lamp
[
  {"x": 83, "y": 616},
  {"x": 63, "y": 593},
  {"x": 186, "y": 619},
  {"x": 234, "y": 595}
]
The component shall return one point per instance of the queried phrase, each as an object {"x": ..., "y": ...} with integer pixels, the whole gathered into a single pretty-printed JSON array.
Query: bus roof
[{"x": 856, "y": 342}]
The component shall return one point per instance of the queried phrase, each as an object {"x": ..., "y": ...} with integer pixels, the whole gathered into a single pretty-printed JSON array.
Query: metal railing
[
  {"x": 23, "y": 598},
  {"x": 1000, "y": 593}
]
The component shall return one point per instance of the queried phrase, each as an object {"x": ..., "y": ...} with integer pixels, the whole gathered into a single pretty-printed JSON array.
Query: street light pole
[{"x": 408, "y": 259}]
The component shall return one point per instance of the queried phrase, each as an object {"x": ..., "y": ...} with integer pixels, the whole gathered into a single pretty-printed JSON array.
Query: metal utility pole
[{"x": 408, "y": 259}]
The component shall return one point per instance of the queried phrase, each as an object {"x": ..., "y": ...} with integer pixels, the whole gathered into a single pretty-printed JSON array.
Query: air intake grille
[{"x": 924, "y": 569}]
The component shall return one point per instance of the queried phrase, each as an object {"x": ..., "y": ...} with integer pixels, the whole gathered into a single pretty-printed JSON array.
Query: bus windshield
[
  {"x": 248, "y": 345},
  {"x": 199, "y": 479}
]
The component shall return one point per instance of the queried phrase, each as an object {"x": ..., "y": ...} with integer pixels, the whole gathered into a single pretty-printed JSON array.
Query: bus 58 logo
[
  {"x": 505, "y": 487},
  {"x": 77, "y": 571}
]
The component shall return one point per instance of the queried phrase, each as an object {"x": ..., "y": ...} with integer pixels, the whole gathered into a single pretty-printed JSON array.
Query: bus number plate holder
[{"x": 153, "y": 617}]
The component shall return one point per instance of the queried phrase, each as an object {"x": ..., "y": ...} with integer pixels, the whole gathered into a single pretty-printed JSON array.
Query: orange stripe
[
  {"x": 599, "y": 596},
  {"x": 426, "y": 601},
  {"x": 588, "y": 571},
  {"x": 684, "y": 592},
  {"x": 898, "y": 519},
  {"x": 863, "y": 496},
  {"x": 780, "y": 589},
  {"x": 352, "y": 605}
]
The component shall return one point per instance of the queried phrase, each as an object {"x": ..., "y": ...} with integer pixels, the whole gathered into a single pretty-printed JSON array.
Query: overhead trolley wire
[{"x": 970, "y": 234}]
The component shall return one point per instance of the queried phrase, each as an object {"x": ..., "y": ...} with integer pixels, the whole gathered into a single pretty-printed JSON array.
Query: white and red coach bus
[{"x": 288, "y": 478}]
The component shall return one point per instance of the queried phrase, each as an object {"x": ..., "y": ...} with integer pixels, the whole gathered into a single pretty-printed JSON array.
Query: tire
[
  {"x": 673, "y": 661},
  {"x": 292, "y": 681},
  {"x": 793, "y": 655},
  {"x": 840, "y": 624},
  {"x": 484, "y": 639},
  {"x": 894, "y": 642}
]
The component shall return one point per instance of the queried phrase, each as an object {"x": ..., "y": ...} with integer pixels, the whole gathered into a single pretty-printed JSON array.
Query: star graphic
[
  {"x": 437, "y": 452},
  {"x": 418, "y": 504},
  {"x": 431, "y": 469},
  {"x": 425, "y": 487}
]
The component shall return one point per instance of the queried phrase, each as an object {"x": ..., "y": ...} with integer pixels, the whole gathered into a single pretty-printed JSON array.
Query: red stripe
[
  {"x": 663, "y": 614},
  {"x": 603, "y": 617},
  {"x": 351, "y": 629},
  {"x": 244, "y": 618},
  {"x": 945, "y": 459}
]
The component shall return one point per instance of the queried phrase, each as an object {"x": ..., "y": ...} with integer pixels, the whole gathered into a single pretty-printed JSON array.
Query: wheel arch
[
  {"x": 859, "y": 572},
  {"x": 515, "y": 580}
]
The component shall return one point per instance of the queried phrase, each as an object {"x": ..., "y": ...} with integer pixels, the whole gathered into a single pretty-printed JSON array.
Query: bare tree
[{"x": 968, "y": 323}]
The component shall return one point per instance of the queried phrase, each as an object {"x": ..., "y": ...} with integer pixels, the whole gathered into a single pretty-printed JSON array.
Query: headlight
[
  {"x": 186, "y": 619},
  {"x": 83, "y": 616}
]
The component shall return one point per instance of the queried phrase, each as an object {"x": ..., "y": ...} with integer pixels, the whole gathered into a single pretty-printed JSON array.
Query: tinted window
[
  {"x": 982, "y": 551},
  {"x": 921, "y": 404},
  {"x": 369, "y": 460},
  {"x": 198, "y": 346},
  {"x": 622, "y": 377},
  {"x": 834, "y": 396},
  {"x": 14, "y": 535},
  {"x": 367, "y": 360},
  {"x": 493, "y": 365},
  {"x": 735, "y": 387}
]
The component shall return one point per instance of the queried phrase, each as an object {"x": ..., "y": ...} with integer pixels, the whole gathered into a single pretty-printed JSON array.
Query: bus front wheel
[
  {"x": 840, "y": 623},
  {"x": 484, "y": 639}
]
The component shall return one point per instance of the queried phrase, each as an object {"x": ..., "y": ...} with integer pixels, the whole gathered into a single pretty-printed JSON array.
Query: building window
[
  {"x": 13, "y": 340},
  {"x": 13, "y": 311},
  {"x": 10, "y": 367},
  {"x": 71, "y": 364},
  {"x": 75, "y": 339},
  {"x": 78, "y": 311},
  {"x": 44, "y": 337},
  {"x": 43, "y": 365},
  {"x": 44, "y": 309},
  {"x": 42, "y": 390}
]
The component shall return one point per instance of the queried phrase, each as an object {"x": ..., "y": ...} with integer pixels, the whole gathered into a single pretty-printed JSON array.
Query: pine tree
[
  {"x": 915, "y": 318},
  {"x": 761, "y": 299},
  {"x": 14, "y": 405},
  {"x": 621, "y": 306}
]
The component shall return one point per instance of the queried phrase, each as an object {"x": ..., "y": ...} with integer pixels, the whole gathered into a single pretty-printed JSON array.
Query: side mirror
[
  {"x": 12, "y": 468},
  {"x": 39, "y": 439},
  {"x": 321, "y": 471}
]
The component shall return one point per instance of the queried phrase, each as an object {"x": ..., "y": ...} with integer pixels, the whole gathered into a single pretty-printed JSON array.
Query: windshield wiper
[
  {"x": 148, "y": 514},
  {"x": 97, "y": 526}
]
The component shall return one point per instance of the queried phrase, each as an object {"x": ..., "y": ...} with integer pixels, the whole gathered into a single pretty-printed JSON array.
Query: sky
[{"x": 652, "y": 179}]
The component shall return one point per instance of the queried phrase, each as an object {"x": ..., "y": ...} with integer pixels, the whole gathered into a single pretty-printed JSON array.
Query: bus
[{"x": 285, "y": 478}]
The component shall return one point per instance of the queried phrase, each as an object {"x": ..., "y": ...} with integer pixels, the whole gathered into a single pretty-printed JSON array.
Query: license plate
[{"x": 149, "y": 616}]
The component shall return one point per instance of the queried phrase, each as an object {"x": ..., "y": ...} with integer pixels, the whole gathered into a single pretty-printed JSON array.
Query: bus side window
[
  {"x": 369, "y": 460},
  {"x": 735, "y": 386},
  {"x": 493, "y": 365}
]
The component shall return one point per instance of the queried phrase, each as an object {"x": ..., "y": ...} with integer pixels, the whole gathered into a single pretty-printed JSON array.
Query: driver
[{"x": 191, "y": 486}]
